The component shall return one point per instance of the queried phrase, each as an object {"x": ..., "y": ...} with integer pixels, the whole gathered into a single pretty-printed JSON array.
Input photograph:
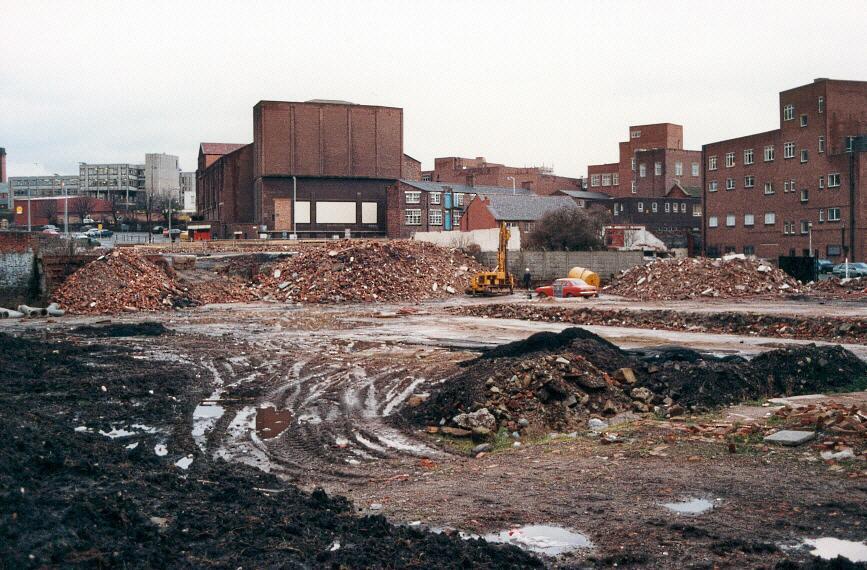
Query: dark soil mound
[
  {"x": 122, "y": 329},
  {"x": 75, "y": 497},
  {"x": 810, "y": 369},
  {"x": 546, "y": 342}
]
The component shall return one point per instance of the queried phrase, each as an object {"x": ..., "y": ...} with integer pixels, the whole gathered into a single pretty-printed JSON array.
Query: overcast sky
[{"x": 521, "y": 83}]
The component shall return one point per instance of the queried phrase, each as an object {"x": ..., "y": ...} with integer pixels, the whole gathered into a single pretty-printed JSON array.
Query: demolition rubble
[{"x": 689, "y": 278}]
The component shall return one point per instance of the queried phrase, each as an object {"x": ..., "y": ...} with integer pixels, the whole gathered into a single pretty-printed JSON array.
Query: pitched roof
[
  {"x": 586, "y": 195},
  {"x": 690, "y": 191},
  {"x": 528, "y": 208},
  {"x": 219, "y": 148},
  {"x": 428, "y": 186}
]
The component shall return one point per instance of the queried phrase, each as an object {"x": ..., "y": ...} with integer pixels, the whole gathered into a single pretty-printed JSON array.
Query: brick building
[
  {"x": 675, "y": 218},
  {"x": 5, "y": 192},
  {"x": 479, "y": 172},
  {"x": 50, "y": 210},
  {"x": 411, "y": 168},
  {"x": 770, "y": 193},
  {"x": 2, "y": 165},
  {"x": 585, "y": 199},
  {"x": 488, "y": 211},
  {"x": 650, "y": 163},
  {"x": 342, "y": 157},
  {"x": 422, "y": 206}
]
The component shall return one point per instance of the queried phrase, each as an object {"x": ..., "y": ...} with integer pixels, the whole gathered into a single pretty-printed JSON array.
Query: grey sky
[{"x": 517, "y": 82}]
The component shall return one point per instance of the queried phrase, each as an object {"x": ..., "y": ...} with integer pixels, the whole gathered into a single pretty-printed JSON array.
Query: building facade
[
  {"x": 188, "y": 192},
  {"x": 23, "y": 187},
  {"x": 523, "y": 212},
  {"x": 162, "y": 175},
  {"x": 676, "y": 218},
  {"x": 122, "y": 183},
  {"x": 779, "y": 192},
  {"x": 650, "y": 163},
  {"x": 479, "y": 172}
]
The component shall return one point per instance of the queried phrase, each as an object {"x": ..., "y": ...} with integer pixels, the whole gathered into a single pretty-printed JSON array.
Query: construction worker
[{"x": 527, "y": 279}]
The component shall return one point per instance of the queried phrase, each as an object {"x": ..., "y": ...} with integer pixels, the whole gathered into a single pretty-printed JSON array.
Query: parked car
[
  {"x": 51, "y": 231},
  {"x": 157, "y": 230},
  {"x": 105, "y": 233},
  {"x": 48, "y": 227},
  {"x": 568, "y": 288},
  {"x": 93, "y": 233},
  {"x": 88, "y": 220},
  {"x": 855, "y": 270},
  {"x": 825, "y": 265}
]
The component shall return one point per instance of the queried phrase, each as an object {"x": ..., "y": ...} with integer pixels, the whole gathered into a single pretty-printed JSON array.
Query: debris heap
[
  {"x": 356, "y": 271},
  {"x": 836, "y": 288},
  {"x": 688, "y": 278},
  {"x": 122, "y": 281}
]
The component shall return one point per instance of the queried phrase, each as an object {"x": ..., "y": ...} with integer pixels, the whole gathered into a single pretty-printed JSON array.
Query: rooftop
[
  {"x": 527, "y": 208},
  {"x": 427, "y": 186},
  {"x": 585, "y": 195},
  {"x": 219, "y": 148}
]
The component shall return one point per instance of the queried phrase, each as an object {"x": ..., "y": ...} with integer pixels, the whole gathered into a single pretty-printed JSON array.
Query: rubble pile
[
  {"x": 839, "y": 329},
  {"x": 828, "y": 417},
  {"x": 122, "y": 281},
  {"x": 689, "y": 278},
  {"x": 836, "y": 288},
  {"x": 356, "y": 271}
]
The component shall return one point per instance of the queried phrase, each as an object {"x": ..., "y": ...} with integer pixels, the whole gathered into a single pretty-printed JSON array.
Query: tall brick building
[
  {"x": 768, "y": 194},
  {"x": 478, "y": 172},
  {"x": 343, "y": 157}
]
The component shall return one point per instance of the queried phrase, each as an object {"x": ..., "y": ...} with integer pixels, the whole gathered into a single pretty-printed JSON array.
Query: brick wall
[
  {"x": 480, "y": 173},
  {"x": 18, "y": 280},
  {"x": 411, "y": 168},
  {"x": 477, "y": 216},
  {"x": 549, "y": 265},
  {"x": 226, "y": 188}
]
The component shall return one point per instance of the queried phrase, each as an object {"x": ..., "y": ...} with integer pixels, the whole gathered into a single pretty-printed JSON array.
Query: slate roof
[
  {"x": 219, "y": 148},
  {"x": 427, "y": 186},
  {"x": 527, "y": 208},
  {"x": 585, "y": 195},
  {"x": 691, "y": 191}
]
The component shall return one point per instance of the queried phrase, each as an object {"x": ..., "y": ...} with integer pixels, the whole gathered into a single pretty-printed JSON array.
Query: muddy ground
[{"x": 264, "y": 398}]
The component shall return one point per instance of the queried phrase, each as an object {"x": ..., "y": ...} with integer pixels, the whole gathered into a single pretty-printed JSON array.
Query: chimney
[{"x": 2, "y": 165}]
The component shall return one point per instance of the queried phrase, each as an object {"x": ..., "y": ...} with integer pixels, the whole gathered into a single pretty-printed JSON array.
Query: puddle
[
  {"x": 830, "y": 548},
  {"x": 205, "y": 417},
  {"x": 184, "y": 462},
  {"x": 690, "y": 506},
  {"x": 161, "y": 450},
  {"x": 544, "y": 539},
  {"x": 271, "y": 422}
]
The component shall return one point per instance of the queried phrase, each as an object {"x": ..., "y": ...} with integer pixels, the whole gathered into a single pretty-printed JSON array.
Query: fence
[{"x": 549, "y": 265}]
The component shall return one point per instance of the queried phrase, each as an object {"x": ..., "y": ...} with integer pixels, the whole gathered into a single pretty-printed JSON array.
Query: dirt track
[{"x": 309, "y": 395}]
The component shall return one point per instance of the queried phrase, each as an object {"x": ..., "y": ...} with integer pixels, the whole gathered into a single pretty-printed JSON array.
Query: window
[
  {"x": 412, "y": 197},
  {"x": 769, "y": 153},
  {"x": 821, "y": 182},
  {"x": 849, "y": 142},
  {"x": 749, "y": 250},
  {"x": 615, "y": 179},
  {"x": 805, "y": 195},
  {"x": 821, "y": 144},
  {"x": 833, "y": 180},
  {"x": 435, "y": 197},
  {"x": 712, "y": 186},
  {"x": 633, "y": 164},
  {"x": 641, "y": 206},
  {"x": 788, "y": 112},
  {"x": 412, "y": 217},
  {"x": 730, "y": 183},
  {"x": 634, "y": 189},
  {"x": 833, "y": 214},
  {"x": 786, "y": 230},
  {"x": 653, "y": 207},
  {"x": 695, "y": 171},
  {"x": 616, "y": 209},
  {"x": 789, "y": 150},
  {"x": 769, "y": 187},
  {"x": 749, "y": 219},
  {"x": 668, "y": 207},
  {"x": 803, "y": 120},
  {"x": 435, "y": 217},
  {"x": 834, "y": 250},
  {"x": 712, "y": 222},
  {"x": 678, "y": 168},
  {"x": 803, "y": 155},
  {"x": 456, "y": 219},
  {"x": 730, "y": 220},
  {"x": 606, "y": 180},
  {"x": 805, "y": 226},
  {"x": 730, "y": 159},
  {"x": 770, "y": 218},
  {"x": 785, "y": 187},
  {"x": 749, "y": 181},
  {"x": 683, "y": 207},
  {"x": 635, "y": 134},
  {"x": 642, "y": 170},
  {"x": 711, "y": 163},
  {"x": 594, "y": 180},
  {"x": 821, "y": 215},
  {"x": 821, "y": 104},
  {"x": 459, "y": 199},
  {"x": 749, "y": 156},
  {"x": 696, "y": 210}
]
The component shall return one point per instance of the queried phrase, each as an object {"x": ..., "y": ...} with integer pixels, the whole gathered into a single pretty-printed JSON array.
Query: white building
[
  {"x": 162, "y": 175},
  {"x": 188, "y": 192}
]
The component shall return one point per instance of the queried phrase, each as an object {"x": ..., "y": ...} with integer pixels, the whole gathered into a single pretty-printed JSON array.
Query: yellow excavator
[{"x": 499, "y": 281}]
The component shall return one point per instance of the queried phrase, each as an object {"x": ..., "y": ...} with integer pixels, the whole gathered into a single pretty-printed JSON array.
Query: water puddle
[
  {"x": 690, "y": 506},
  {"x": 830, "y": 548},
  {"x": 184, "y": 462},
  {"x": 205, "y": 417},
  {"x": 543, "y": 539},
  {"x": 271, "y": 422}
]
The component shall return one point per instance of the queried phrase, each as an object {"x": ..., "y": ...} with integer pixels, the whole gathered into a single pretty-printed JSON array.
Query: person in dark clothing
[{"x": 527, "y": 279}]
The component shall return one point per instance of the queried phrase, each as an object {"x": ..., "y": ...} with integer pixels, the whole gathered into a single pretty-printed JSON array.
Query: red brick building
[
  {"x": 479, "y": 172},
  {"x": 651, "y": 162},
  {"x": 51, "y": 210},
  {"x": 2, "y": 165},
  {"x": 770, "y": 193},
  {"x": 523, "y": 212},
  {"x": 342, "y": 157}
]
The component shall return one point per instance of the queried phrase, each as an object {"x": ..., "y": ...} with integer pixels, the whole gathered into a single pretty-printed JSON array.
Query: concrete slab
[{"x": 791, "y": 437}]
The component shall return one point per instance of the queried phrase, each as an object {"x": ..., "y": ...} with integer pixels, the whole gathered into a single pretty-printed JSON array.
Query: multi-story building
[
  {"x": 478, "y": 172},
  {"x": 805, "y": 183},
  {"x": 316, "y": 169},
  {"x": 422, "y": 206},
  {"x": 120, "y": 182},
  {"x": 161, "y": 174},
  {"x": 44, "y": 186},
  {"x": 655, "y": 173},
  {"x": 188, "y": 192}
]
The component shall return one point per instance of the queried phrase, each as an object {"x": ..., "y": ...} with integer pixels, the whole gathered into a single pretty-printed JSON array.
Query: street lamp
[
  {"x": 810, "y": 232},
  {"x": 65, "y": 205},
  {"x": 512, "y": 178}
]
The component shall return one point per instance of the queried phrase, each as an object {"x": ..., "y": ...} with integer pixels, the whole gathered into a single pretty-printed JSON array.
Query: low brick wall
[
  {"x": 19, "y": 278},
  {"x": 550, "y": 265}
]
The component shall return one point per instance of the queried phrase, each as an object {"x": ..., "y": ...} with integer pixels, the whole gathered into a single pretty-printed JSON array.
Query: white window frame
[
  {"x": 769, "y": 153},
  {"x": 769, "y": 188},
  {"x": 696, "y": 210},
  {"x": 749, "y": 181},
  {"x": 606, "y": 180},
  {"x": 678, "y": 168},
  {"x": 641, "y": 207},
  {"x": 805, "y": 156},
  {"x": 594, "y": 180},
  {"x": 683, "y": 207},
  {"x": 642, "y": 170},
  {"x": 711, "y": 162},
  {"x": 459, "y": 199},
  {"x": 788, "y": 112},
  {"x": 712, "y": 186},
  {"x": 436, "y": 198},
  {"x": 695, "y": 169},
  {"x": 789, "y": 150},
  {"x": 821, "y": 104},
  {"x": 821, "y": 182},
  {"x": 412, "y": 217},
  {"x": 615, "y": 179},
  {"x": 668, "y": 207},
  {"x": 712, "y": 222},
  {"x": 821, "y": 214},
  {"x": 749, "y": 156},
  {"x": 435, "y": 217},
  {"x": 803, "y": 120},
  {"x": 833, "y": 214},
  {"x": 749, "y": 220},
  {"x": 821, "y": 144},
  {"x": 730, "y": 183},
  {"x": 805, "y": 195},
  {"x": 653, "y": 207},
  {"x": 731, "y": 220},
  {"x": 634, "y": 188},
  {"x": 412, "y": 197},
  {"x": 657, "y": 168},
  {"x": 805, "y": 227},
  {"x": 770, "y": 218},
  {"x": 633, "y": 164},
  {"x": 635, "y": 134},
  {"x": 834, "y": 180},
  {"x": 730, "y": 159}
]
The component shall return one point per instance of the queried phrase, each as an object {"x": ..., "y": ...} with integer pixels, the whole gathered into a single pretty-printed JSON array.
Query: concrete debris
[
  {"x": 688, "y": 278},
  {"x": 790, "y": 438},
  {"x": 836, "y": 288},
  {"x": 479, "y": 419}
]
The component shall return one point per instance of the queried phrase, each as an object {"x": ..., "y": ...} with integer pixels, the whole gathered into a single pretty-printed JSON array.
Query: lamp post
[
  {"x": 65, "y": 205},
  {"x": 512, "y": 178},
  {"x": 810, "y": 236}
]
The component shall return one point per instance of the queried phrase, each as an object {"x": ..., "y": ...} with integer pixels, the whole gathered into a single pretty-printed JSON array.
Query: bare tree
[
  {"x": 569, "y": 229},
  {"x": 48, "y": 210},
  {"x": 82, "y": 206},
  {"x": 115, "y": 200}
]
